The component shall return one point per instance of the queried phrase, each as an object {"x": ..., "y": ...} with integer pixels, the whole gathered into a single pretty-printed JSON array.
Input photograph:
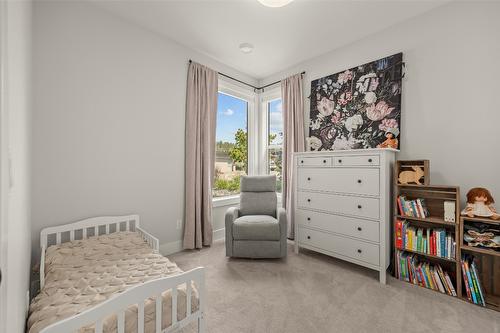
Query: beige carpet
[{"x": 311, "y": 292}]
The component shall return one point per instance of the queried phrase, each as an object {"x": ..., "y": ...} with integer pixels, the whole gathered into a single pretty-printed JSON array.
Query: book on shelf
[
  {"x": 473, "y": 288},
  {"x": 412, "y": 208},
  {"x": 409, "y": 268},
  {"x": 433, "y": 241}
]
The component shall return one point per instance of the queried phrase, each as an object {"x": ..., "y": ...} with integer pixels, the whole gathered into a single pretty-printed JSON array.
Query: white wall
[
  {"x": 450, "y": 102},
  {"x": 108, "y": 123},
  {"x": 15, "y": 226}
]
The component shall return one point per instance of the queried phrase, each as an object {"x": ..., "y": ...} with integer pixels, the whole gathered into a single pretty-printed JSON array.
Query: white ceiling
[{"x": 282, "y": 37}]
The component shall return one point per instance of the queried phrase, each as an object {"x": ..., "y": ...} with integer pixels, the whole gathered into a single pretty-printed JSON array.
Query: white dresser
[{"x": 342, "y": 205}]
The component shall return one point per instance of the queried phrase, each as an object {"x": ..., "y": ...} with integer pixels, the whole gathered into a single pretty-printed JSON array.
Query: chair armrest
[
  {"x": 231, "y": 214},
  {"x": 282, "y": 220}
]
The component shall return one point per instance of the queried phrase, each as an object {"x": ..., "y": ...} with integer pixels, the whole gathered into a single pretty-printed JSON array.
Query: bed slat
[
  {"x": 58, "y": 238},
  {"x": 140, "y": 320},
  {"x": 96, "y": 230},
  {"x": 98, "y": 326},
  {"x": 84, "y": 235},
  {"x": 72, "y": 235},
  {"x": 188, "y": 298},
  {"x": 121, "y": 321},
  {"x": 174, "y": 305},
  {"x": 158, "y": 313}
]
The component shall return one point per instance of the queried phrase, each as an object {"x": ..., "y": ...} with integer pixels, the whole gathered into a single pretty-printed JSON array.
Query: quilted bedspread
[{"x": 83, "y": 273}]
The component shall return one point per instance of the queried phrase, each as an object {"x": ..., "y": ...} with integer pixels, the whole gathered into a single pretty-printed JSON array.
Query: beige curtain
[
  {"x": 201, "y": 112},
  {"x": 294, "y": 139}
]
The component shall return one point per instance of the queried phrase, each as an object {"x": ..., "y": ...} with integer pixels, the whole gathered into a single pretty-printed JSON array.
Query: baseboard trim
[
  {"x": 219, "y": 234},
  {"x": 176, "y": 246},
  {"x": 170, "y": 248}
]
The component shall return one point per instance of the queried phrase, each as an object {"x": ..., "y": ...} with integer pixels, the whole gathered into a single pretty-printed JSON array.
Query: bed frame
[{"x": 118, "y": 303}]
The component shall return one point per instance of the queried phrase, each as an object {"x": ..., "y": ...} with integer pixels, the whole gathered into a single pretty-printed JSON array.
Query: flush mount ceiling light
[
  {"x": 275, "y": 3},
  {"x": 246, "y": 47}
]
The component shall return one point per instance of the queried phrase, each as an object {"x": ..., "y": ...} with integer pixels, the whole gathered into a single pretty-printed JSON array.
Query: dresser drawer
[
  {"x": 348, "y": 247},
  {"x": 350, "y": 226},
  {"x": 347, "y": 180},
  {"x": 364, "y": 160},
  {"x": 342, "y": 204},
  {"x": 314, "y": 161}
]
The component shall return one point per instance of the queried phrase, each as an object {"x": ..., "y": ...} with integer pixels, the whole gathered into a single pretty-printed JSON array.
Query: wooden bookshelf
[
  {"x": 488, "y": 264},
  {"x": 434, "y": 196}
]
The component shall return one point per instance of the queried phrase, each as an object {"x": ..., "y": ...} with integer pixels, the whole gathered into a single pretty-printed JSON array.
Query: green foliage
[
  {"x": 232, "y": 185},
  {"x": 239, "y": 152}
]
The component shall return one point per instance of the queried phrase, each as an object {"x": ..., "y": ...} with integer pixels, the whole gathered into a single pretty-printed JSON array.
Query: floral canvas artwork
[{"x": 358, "y": 108}]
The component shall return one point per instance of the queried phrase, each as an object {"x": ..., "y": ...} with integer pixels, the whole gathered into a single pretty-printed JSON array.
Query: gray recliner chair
[{"x": 257, "y": 229}]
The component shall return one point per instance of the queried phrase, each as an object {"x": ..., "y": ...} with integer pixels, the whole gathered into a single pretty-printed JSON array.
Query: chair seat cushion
[{"x": 256, "y": 227}]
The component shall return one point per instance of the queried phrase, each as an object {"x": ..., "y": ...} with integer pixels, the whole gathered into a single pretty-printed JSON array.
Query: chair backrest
[{"x": 258, "y": 195}]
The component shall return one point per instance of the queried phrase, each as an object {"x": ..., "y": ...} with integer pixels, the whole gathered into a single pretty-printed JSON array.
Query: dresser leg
[
  {"x": 296, "y": 247},
  {"x": 382, "y": 276}
]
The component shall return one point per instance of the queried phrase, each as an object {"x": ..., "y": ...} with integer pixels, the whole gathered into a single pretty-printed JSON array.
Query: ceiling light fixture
[
  {"x": 275, "y": 3},
  {"x": 246, "y": 47}
]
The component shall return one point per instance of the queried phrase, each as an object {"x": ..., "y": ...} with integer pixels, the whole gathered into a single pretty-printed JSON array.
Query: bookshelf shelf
[
  {"x": 433, "y": 220},
  {"x": 429, "y": 255},
  {"x": 480, "y": 250}
]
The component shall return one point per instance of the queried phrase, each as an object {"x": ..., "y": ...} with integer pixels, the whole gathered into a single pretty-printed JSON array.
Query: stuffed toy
[{"x": 480, "y": 203}]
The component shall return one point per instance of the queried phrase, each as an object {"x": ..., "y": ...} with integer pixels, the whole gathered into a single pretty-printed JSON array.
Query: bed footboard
[{"x": 137, "y": 295}]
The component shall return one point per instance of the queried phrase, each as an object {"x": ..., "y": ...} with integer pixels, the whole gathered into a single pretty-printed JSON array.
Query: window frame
[
  {"x": 265, "y": 99},
  {"x": 249, "y": 96}
]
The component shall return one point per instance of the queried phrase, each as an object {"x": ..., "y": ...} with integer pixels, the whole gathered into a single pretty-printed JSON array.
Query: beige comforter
[{"x": 83, "y": 273}]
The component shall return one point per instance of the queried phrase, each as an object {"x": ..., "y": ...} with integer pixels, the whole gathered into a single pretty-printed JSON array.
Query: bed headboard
[{"x": 97, "y": 225}]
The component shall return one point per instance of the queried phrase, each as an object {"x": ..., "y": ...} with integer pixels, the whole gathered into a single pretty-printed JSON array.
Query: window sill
[
  {"x": 230, "y": 200},
  {"x": 233, "y": 200}
]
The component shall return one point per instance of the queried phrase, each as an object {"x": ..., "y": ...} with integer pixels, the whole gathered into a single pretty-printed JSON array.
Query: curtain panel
[
  {"x": 294, "y": 139},
  {"x": 201, "y": 112}
]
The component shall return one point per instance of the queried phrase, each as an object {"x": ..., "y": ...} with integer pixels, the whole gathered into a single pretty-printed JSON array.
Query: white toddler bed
[{"x": 109, "y": 277}]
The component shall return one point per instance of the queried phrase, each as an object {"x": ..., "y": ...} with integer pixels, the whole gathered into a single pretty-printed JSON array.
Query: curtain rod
[{"x": 248, "y": 84}]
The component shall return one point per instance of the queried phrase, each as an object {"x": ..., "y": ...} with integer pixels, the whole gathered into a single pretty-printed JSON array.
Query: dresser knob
[
  {"x": 308, "y": 178},
  {"x": 340, "y": 161},
  {"x": 359, "y": 206},
  {"x": 359, "y": 251},
  {"x": 309, "y": 219},
  {"x": 308, "y": 237},
  {"x": 369, "y": 160},
  {"x": 324, "y": 161},
  {"x": 308, "y": 200},
  {"x": 302, "y": 161},
  {"x": 359, "y": 229},
  {"x": 359, "y": 181}
]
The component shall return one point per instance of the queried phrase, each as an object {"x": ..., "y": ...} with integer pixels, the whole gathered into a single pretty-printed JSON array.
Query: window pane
[
  {"x": 231, "y": 151},
  {"x": 275, "y": 158},
  {"x": 275, "y": 122}
]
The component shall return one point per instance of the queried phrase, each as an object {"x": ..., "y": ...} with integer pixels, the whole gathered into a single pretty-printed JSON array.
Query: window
[
  {"x": 274, "y": 149},
  {"x": 231, "y": 151}
]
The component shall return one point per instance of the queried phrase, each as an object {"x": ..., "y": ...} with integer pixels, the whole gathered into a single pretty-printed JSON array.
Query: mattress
[{"x": 83, "y": 273}]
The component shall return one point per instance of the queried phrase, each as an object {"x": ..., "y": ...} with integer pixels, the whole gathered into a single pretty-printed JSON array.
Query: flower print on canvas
[{"x": 357, "y": 108}]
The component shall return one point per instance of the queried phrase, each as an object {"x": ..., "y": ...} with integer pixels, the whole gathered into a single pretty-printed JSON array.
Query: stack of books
[
  {"x": 408, "y": 268},
  {"x": 472, "y": 283},
  {"x": 436, "y": 242},
  {"x": 412, "y": 208}
]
